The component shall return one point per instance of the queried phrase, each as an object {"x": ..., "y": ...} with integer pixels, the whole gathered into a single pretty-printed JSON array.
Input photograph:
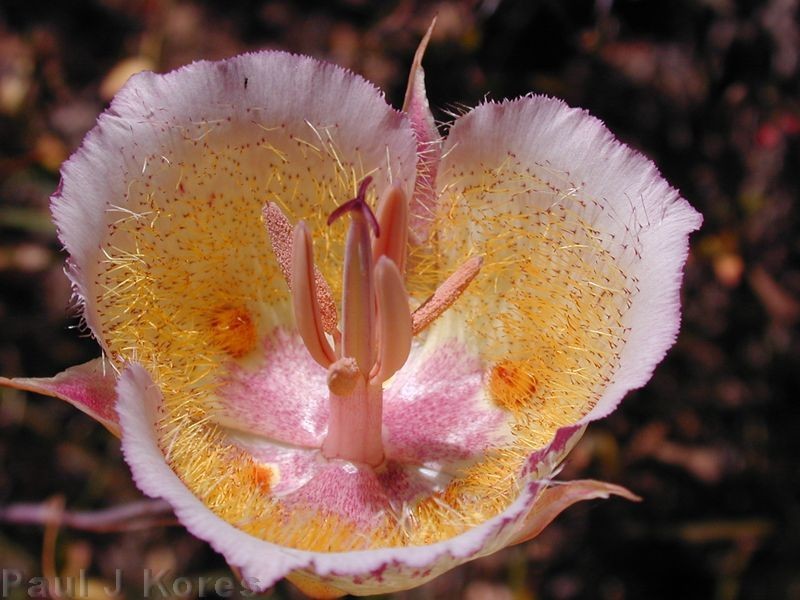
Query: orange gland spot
[
  {"x": 262, "y": 476},
  {"x": 511, "y": 385},
  {"x": 233, "y": 330}
]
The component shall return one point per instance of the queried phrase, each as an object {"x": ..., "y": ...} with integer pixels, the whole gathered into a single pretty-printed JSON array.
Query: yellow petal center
[{"x": 186, "y": 283}]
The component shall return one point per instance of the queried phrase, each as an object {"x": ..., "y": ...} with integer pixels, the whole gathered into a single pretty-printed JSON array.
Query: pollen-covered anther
[
  {"x": 446, "y": 294},
  {"x": 281, "y": 235},
  {"x": 343, "y": 376}
]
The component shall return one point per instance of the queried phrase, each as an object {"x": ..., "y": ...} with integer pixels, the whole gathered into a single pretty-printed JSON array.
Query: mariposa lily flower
[{"x": 345, "y": 349}]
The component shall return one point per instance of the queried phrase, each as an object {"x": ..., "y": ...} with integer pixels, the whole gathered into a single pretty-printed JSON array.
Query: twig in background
[{"x": 141, "y": 514}]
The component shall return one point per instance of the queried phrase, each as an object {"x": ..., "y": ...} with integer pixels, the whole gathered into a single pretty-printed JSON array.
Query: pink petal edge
[
  {"x": 429, "y": 145},
  {"x": 561, "y": 495},
  {"x": 90, "y": 387}
]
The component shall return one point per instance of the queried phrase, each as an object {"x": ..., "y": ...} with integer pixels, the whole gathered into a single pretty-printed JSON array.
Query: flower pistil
[{"x": 377, "y": 326}]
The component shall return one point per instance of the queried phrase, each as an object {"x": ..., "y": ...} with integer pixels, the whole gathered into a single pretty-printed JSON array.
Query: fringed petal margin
[
  {"x": 582, "y": 238},
  {"x": 213, "y": 142}
]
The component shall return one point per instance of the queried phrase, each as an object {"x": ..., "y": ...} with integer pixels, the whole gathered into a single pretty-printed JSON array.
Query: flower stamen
[
  {"x": 307, "y": 312},
  {"x": 393, "y": 222},
  {"x": 394, "y": 320},
  {"x": 280, "y": 234},
  {"x": 445, "y": 295},
  {"x": 374, "y": 338}
]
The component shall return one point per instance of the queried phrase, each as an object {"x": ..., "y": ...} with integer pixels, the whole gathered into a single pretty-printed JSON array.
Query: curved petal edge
[{"x": 89, "y": 387}]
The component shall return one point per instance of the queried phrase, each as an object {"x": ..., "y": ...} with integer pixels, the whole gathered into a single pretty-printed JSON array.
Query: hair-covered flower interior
[{"x": 345, "y": 332}]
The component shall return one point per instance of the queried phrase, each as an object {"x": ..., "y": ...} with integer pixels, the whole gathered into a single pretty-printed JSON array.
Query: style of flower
[{"x": 345, "y": 349}]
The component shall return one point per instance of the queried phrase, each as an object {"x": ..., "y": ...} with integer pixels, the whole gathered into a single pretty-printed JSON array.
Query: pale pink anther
[
  {"x": 280, "y": 234},
  {"x": 304, "y": 297},
  {"x": 394, "y": 320},
  {"x": 393, "y": 221},
  {"x": 445, "y": 295}
]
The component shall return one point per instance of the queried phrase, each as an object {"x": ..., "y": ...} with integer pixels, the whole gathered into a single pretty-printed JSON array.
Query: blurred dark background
[{"x": 707, "y": 88}]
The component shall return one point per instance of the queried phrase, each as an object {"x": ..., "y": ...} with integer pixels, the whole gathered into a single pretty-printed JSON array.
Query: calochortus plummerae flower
[{"x": 346, "y": 349}]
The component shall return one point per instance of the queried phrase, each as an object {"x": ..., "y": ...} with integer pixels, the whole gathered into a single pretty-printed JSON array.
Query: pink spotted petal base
[{"x": 262, "y": 563}]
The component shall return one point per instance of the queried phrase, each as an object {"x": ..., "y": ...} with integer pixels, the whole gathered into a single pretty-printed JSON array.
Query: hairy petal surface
[
  {"x": 161, "y": 211},
  {"x": 283, "y": 397},
  {"x": 583, "y": 245},
  {"x": 361, "y": 572},
  {"x": 207, "y": 145},
  {"x": 430, "y": 418}
]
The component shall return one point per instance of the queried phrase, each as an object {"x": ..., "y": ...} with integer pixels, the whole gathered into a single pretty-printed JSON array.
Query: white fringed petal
[
  {"x": 655, "y": 314},
  {"x": 156, "y": 120},
  {"x": 535, "y": 159}
]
